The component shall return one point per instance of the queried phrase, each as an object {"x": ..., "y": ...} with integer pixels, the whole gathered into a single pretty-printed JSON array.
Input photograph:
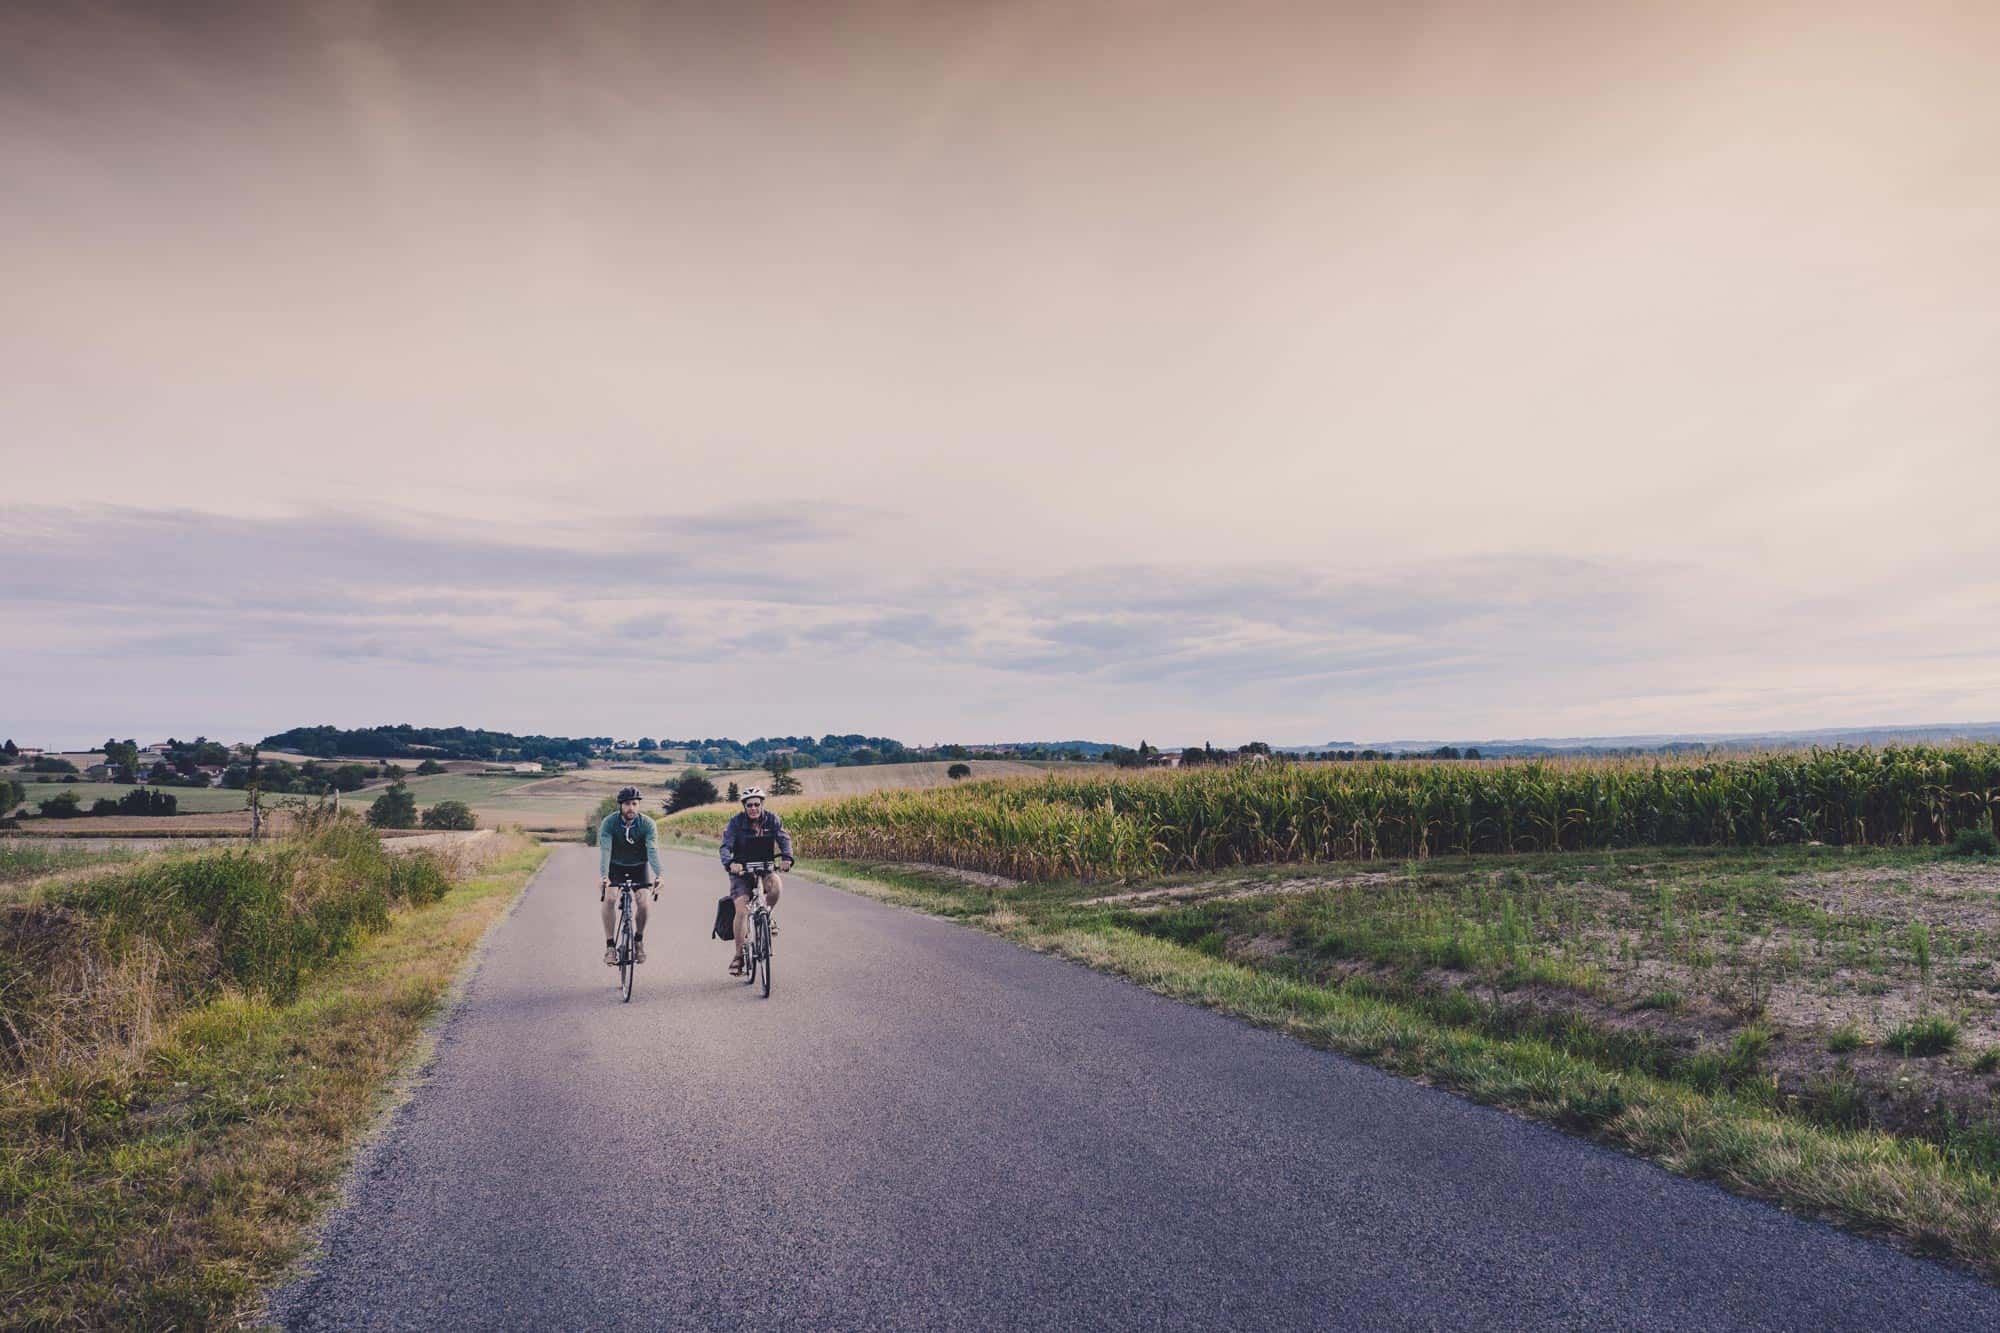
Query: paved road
[{"x": 958, "y": 1134}]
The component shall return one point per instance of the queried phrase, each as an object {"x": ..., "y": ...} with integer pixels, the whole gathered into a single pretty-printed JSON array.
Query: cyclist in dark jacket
[{"x": 754, "y": 822}]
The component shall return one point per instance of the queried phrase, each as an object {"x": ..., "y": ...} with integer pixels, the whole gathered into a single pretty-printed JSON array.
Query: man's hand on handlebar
[
  {"x": 735, "y": 867},
  {"x": 789, "y": 863}
]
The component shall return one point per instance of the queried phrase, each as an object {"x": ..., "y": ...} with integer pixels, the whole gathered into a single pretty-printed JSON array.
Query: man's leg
[
  {"x": 610, "y": 922},
  {"x": 743, "y": 924},
  {"x": 773, "y": 886}
]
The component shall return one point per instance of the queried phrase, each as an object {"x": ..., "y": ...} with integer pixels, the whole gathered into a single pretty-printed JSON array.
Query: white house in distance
[{"x": 1164, "y": 759}]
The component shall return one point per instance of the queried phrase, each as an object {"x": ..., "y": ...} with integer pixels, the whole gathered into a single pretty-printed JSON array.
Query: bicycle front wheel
[
  {"x": 764, "y": 950},
  {"x": 626, "y": 970}
]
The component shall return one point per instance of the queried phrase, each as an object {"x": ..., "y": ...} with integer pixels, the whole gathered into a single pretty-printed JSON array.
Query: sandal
[{"x": 736, "y": 965}]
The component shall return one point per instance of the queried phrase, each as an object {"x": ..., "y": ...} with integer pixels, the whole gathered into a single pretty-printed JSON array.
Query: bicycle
[
  {"x": 761, "y": 928},
  {"x": 627, "y": 969}
]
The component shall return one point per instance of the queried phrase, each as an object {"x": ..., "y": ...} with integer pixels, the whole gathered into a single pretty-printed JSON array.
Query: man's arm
[
  {"x": 729, "y": 841},
  {"x": 653, "y": 847},
  {"x": 784, "y": 838},
  {"x": 604, "y": 836}
]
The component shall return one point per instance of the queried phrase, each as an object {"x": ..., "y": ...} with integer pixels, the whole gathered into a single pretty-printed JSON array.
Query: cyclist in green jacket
[{"x": 627, "y": 844}]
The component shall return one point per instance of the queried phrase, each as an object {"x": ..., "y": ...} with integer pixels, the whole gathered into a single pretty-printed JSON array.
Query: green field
[
  {"x": 472, "y": 788},
  {"x": 192, "y": 800}
]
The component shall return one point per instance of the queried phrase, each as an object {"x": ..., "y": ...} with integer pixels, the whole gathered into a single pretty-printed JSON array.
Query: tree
[
  {"x": 691, "y": 789},
  {"x": 450, "y": 815},
  {"x": 122, "y": 755},
  {"x": 734, "y": 795},
  {"x": 12, "y": 794},
  {"x": 428, "y": 768},
  {"x": 648, "y": 743},
  {"x": 11, "y": 750},
  {"x": 394, "y": 808},
  {"x": 349, "y": 777},
  {"x": 785, "y": 784},
  {"x": 957, "y": 771},
  {"x": 49, "y": 763}
]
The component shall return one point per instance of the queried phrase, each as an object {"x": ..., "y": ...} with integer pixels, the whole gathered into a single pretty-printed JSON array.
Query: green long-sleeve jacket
[{"x": 627, "y": 845}]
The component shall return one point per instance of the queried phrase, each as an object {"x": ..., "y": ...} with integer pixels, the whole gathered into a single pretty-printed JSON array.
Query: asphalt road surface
[{"x": 927, "y": 1127}]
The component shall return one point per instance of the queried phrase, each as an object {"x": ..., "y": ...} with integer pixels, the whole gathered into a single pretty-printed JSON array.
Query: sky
[{"x": 999, "y": 370}]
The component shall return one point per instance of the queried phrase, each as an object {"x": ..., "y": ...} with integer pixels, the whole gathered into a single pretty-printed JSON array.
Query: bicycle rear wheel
[{"x": 764, "y": 950}]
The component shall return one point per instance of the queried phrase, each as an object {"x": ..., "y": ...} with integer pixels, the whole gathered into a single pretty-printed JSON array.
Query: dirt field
[{"x": 1862, "y": 985}]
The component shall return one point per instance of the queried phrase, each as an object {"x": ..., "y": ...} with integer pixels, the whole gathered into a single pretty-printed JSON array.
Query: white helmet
[{"x": 752, "y": 794}]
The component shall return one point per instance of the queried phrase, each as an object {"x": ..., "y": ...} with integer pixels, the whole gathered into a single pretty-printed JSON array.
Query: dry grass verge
[{"x": 156, "y": 1175}]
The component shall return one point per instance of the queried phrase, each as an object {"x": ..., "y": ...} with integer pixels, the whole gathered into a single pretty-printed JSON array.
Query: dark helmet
[{"x": 627, "y": 794}]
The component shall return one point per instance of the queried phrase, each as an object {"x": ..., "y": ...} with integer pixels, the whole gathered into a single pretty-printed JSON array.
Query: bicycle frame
[
  {"x": 627, "y": 928},
  {"x": 757, "y": 947}
]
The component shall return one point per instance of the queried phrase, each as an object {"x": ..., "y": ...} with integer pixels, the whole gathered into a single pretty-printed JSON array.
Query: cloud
[
  {"x": 563, "y": 620},
  {"x": 351, "y": 585}
]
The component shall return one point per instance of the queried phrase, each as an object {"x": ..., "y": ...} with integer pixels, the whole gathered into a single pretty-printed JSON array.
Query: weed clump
[
  {"x": 1845, "y": 1039},
  {"x": 1978, "y": 841},
  {"x": 1923, "y": 1036}
]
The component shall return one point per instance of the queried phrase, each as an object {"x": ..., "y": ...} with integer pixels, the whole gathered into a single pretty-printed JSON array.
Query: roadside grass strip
[
  {"x": 162, "y": 1183},
  {"x": 1905, "y": 1189}
]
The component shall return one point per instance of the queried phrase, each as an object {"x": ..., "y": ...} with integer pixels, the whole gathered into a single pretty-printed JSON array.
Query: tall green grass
[
  {"x": 90, "y": 969},
  {"x": 1117, "y": 826}
]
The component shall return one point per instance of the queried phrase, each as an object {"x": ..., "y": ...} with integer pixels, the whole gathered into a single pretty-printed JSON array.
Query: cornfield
[{"x": 1116, "y": 827}]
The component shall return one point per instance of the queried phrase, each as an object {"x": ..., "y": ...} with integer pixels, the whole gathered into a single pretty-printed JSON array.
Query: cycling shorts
[{"x": 622, "y": 875}]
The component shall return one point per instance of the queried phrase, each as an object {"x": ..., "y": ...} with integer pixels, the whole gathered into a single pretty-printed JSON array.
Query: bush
[
  {"x": 785, "y": 784},
  {"x": 957, "y": 771},
  {"x": 450, "y": 815},
  {"x": 104, "y": 805},
  {"x": 604, "y": 807},
  {"x": 429, "y": 768},
  {"x": 63, "y": 805},
  {"x": 734, "y": 793},
  {"x": 394, "y": 808},
  {"x": 140, "y": 801},
  {"x": 418, "y": 879},
  {"x": 49, "y": 763}
]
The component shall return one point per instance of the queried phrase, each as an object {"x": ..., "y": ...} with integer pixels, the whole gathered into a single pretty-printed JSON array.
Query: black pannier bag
[{"x": 725, "y": 918}]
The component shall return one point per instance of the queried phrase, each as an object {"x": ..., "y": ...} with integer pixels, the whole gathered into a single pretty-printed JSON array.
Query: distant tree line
[
  {"x": 311, "y": 778},
  {"x": 404, "y": 741}
]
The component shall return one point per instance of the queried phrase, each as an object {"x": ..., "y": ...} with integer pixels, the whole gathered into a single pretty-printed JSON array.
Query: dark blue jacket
[{"x": 740, "y": 827}]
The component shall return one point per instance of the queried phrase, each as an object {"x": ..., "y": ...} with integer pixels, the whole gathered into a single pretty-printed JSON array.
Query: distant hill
[{"x": 1669, "y": 743}]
